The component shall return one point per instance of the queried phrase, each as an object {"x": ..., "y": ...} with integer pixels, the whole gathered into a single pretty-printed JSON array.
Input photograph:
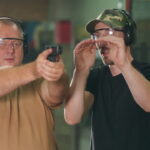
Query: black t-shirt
[{"x": 118, "y": 122}]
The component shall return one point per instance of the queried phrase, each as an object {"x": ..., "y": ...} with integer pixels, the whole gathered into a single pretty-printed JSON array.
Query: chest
[{"x": 114, "y": 99}]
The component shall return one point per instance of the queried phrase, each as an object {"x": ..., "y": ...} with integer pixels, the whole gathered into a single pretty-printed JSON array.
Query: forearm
[
  {"x": 138, "y": 85},
  {"x": 12, "y": 78},
  {"x": 74, "y": 108},
  {"x": 55, "y": 92}
]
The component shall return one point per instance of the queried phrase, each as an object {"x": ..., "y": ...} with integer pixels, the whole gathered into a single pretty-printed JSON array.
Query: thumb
[{"x": 46, "y": 53}]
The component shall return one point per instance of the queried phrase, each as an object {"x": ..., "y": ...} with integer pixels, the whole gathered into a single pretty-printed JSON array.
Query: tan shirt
[{"x": 26, "y": 123}]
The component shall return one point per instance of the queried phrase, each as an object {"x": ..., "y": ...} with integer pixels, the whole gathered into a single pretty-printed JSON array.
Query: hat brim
[{"x": 90, "y": 27}]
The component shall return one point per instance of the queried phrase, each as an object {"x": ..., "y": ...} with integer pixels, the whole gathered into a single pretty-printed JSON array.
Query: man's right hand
[
  {"x": 51, "y": 71},
  {"x": 84, "y": 53}
]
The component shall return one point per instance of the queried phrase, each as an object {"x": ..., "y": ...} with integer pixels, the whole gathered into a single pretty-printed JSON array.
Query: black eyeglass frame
[
  {"x": 11, "y": 39},
  {"x": 107, "y": 30}
]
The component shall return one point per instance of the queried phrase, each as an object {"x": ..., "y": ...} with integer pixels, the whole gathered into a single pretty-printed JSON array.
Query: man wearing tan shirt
[{"x": 28, "y": 93}]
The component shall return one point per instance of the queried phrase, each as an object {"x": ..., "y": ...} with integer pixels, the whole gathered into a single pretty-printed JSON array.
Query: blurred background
[{"x": 51, "y": 22}]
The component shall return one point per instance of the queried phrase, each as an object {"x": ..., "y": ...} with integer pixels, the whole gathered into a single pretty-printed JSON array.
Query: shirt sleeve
[
  {"x": 37, "y": 86},
  {"x": 92, "y": 81}
]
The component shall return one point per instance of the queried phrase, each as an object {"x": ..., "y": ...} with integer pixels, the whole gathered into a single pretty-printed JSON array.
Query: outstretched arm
[
  {"x": 53, "y": 88},
  {"x": 12, "y": 78},
  {"x": 55, "y": 92}
]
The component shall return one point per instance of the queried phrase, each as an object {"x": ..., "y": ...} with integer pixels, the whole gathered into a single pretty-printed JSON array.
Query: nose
[{"x": 10, "y": 48}]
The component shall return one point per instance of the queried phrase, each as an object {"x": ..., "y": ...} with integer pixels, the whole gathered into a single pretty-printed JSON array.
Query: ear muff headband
[{"x": 129, "y": 29}]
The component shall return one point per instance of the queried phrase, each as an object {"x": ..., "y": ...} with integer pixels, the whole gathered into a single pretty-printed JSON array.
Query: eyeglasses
[
  {"x": 98, "y": 33},
  {"x": 5, "y": 43}
]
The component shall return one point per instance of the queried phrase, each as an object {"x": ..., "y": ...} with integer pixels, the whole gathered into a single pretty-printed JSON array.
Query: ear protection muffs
[
  {"x": 20, "y": 27},
  {"x": 129, "y": 29}
]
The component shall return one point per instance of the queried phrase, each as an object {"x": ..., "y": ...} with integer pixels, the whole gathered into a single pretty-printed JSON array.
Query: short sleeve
[
  {"x": 37, "y": 86},
  {"x": 92, "y": 81}
]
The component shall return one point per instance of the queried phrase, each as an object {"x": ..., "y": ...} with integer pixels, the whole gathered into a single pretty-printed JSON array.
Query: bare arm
[
  {"x": 53, "y": 88},
  {"x": 55, "y": 92},
  {"x": 80, "y": 100},
  {"x": 12, "y": 78}
]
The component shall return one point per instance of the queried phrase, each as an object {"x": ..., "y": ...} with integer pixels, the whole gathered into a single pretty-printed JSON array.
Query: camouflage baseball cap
[{"x": 115, "y": 18}]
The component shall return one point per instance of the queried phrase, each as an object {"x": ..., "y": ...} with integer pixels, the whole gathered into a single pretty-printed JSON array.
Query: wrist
[
  {"x": 126, "y": 68},
  {"x": 33, "y": 70},
  {"x": 84, "y": 72}
]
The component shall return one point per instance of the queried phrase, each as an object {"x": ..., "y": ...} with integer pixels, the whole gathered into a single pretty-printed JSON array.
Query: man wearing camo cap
[{"x": 117, "y": 93}]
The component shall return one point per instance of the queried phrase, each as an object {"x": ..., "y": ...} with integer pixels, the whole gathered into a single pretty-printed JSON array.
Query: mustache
[{"x": 102, "y": 46}]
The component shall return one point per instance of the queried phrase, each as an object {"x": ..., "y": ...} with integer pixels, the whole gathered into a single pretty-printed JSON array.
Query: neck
[{"x": 114, "y": 70}]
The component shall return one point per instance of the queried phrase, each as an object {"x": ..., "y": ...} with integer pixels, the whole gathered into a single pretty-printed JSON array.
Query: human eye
[
  {"x": 17, "y": 44},
  {"x": 106, "y": 32}
]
